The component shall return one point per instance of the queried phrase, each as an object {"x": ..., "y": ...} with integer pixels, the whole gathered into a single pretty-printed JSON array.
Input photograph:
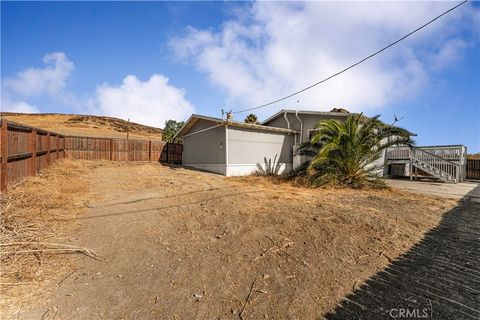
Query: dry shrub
[
  {"x": 35, "y": 214},
  {"x": 303, "y": 180}
]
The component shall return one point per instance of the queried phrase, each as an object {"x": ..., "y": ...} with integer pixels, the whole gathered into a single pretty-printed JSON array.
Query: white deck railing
[
  {"x": 448, "y": 159},
  {"x": 453, "y": 152},
  {"x": 398, "y": 153},
  {"x": 435, "y": 164}
]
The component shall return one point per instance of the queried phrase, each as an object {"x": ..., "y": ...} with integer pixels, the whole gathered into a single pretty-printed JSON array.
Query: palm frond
[{"x": 345, "y": 152}]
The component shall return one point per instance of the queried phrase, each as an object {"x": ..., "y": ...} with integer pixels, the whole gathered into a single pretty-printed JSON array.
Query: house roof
[
  {"x": 322, "y": 113},
  {"x": 196, "y": 117},
  {"x": 262, "y": 127},
  {"x": 341, "y": 113}
]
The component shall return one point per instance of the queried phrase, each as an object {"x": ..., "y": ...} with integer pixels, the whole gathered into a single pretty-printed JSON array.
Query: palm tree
[
  {"x": 251, "y": 118},
  {"x": 347, "y": 150}
]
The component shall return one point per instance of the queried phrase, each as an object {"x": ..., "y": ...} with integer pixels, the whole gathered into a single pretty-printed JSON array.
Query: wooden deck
[
  {"x": 448, "y": 152},
  {"x": 447, "y": 162}
]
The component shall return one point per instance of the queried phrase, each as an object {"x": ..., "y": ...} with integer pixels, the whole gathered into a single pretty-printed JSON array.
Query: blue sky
[{"x": 151, "y": 61}]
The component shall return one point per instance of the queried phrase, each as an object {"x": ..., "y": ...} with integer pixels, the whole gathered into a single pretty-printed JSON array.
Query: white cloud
[
  {"x": 150, "y": 102},
  {"x": 51, "y": 79},
  {"x": 18, "y": 106},
  {"x": 448, "y": 53},
  {"x": 33, "y": 82},
  {"x": 272, "y": 49}
]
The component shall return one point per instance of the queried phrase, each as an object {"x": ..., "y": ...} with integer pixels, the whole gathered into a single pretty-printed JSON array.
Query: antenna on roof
[
  {"x": 396, "y": 119},
  {"x": 229, "y": 115}
]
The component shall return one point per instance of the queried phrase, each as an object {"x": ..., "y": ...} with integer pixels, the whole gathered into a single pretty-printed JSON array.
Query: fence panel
[
  {"x": 473, "y": 169},
  {"x": 27, "y": 150},
  {"x": 88, "y": 148},
  {"x": 156, "y": 150},
  {"x": 174, "y": 153},
  {"x": 93, "y": 148},
  {"x": 17, "y": 142},
  {"x": 17, "y": 171}
]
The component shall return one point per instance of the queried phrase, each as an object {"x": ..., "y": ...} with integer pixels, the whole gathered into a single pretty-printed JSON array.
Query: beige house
[{"x": 235, "y": 148}]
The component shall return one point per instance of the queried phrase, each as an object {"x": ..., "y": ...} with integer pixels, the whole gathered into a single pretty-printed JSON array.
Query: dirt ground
[{"x": 180, "y": 244}]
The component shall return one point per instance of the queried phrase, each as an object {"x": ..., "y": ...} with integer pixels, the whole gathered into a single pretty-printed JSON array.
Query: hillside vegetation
[{"x": 85, "y": 125}]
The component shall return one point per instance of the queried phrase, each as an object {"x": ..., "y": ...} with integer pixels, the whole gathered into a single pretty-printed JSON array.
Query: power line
[{"x": 355, "y": 64}]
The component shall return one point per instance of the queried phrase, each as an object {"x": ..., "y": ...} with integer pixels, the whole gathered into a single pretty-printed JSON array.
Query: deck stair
[
  {"x": 446, "y": 163},
  {"x": 436, "y": 166}
]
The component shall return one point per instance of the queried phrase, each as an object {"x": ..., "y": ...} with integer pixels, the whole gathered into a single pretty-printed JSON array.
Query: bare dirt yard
[{"x": 172, "y": 243}]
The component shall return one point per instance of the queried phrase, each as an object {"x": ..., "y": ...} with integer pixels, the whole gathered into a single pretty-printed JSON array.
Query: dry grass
[
  {"x": 33, "y": 227},
  {"x": 409, "y": 214},
  {"x": 84, "y": 125},
  {"x": 156, "y": 226}
]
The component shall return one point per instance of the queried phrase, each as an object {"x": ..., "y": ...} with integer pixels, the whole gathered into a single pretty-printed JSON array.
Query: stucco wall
[
  {"x": 205, "y": 150},
  {"x": 200, "y": 125},
  {"x": 280, "y": 122},
  {"x": 248, "y": 149},
  {"x": 309, "y": 122}
]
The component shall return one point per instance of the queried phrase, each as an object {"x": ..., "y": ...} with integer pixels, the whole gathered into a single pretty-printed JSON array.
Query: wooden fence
[
  {"x": 27, "y": 150},
  {"x": 90, "y": 148},
  {"x": 94, "y": 148},
  {"x": 473, "y": 169},
  {"x": 172, "y": 153}
]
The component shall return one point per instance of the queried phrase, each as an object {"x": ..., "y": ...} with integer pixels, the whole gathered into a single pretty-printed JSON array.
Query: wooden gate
[
  {"x": 172, "y": 153},
  {"x": 473, "y": 169}
]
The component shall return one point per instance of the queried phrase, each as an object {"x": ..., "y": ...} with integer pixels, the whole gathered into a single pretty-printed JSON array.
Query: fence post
[
  {"x": 4, "y": 153},
  {"x": 150, "y": 150},
  {"x": 58, "y": 146},
  {"x": 112, "y": 149},
  {"x": 167, "y": 147},
  {"x": 461, "y": 164},
  {"x": 33, "y": 149},
  {"x": 63, "y": 147},
  {"x": 457, "y": 172},
  {"x": 48, "y": 149},
  {"x": 410, "y": 165}
]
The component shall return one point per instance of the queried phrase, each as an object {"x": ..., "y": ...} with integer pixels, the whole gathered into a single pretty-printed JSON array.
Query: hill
[{"x": 85, "y": 125}]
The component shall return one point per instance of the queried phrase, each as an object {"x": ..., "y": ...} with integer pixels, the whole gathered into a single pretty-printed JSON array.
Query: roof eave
[
  {"x": 195, "y": 117},
  {"x": 191, "y": 121},
  {"x": 260, "y": 127},
  {"x": 281, "y": 112}
]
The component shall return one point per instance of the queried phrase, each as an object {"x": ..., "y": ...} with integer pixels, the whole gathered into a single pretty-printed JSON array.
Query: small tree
[
  {"x": 251, "y": 118},
  {"x": 347, "y": 150},
  {"x": 171, "y": 129}
]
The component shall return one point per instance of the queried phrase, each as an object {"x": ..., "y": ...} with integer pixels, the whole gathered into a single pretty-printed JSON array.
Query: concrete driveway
[{"x": 465, "y": 190}]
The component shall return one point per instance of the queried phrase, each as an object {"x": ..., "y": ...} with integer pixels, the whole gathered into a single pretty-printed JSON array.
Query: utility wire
[{"x": 355, "y": 64}]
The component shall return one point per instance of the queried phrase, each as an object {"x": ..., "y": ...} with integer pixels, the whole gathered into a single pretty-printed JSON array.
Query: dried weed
[{"x": 33, "y": 227}]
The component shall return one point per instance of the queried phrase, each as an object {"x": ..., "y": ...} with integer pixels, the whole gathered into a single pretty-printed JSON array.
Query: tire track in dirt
[{"x": 177, "y": 243}]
